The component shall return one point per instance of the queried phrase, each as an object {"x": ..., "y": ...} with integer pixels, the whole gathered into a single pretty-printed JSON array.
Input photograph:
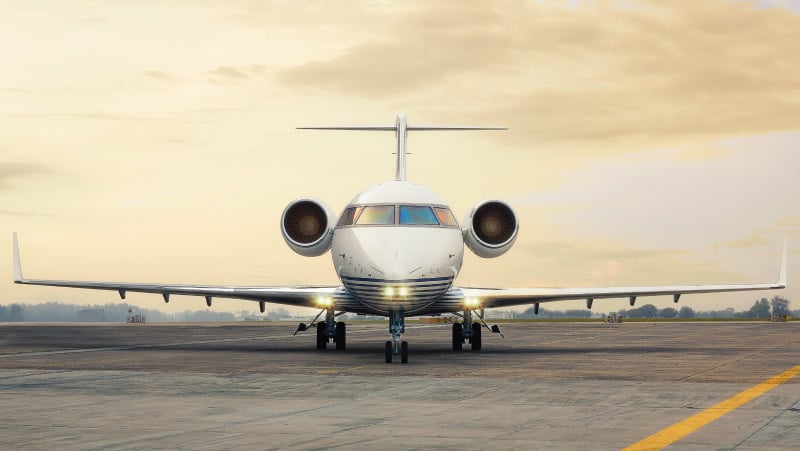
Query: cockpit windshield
[
  {"x": 349, "y": 216},
  {"x": 417, "y": 215},
  {"x": 377, "y": 215},
  {"x": 445, "y": 216},
  {"x": 406, "y": 215}
]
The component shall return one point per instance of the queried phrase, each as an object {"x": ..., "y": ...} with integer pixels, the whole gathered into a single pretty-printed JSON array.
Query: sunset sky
[{"x": 650, "y": 142}]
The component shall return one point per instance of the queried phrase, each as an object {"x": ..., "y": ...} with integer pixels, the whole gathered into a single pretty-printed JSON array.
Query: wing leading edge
[
  {"x": 299, "y": 296},
  {"x": 507, "y": 297}
]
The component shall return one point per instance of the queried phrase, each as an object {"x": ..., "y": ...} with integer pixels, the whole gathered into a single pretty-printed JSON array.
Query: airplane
[{"x": 397, "y": 250}]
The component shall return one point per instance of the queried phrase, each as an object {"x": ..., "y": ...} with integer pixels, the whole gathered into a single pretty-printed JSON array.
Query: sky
[{"x": 649, "y": 142}]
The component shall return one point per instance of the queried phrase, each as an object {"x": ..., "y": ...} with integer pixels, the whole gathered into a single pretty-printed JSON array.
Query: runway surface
[{"x": 254, "y": 385}]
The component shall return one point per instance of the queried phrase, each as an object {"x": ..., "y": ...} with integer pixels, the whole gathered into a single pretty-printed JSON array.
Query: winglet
[
  {"x": 17, "y": 267},
  {"x": 782, "y": 278}
]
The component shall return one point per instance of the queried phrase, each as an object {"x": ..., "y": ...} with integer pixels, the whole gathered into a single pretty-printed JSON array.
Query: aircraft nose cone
[{"x": 413, "y": 259}]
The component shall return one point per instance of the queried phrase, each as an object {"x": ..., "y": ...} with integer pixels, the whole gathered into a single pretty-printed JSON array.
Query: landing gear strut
[{"x": 394, "y": 347}]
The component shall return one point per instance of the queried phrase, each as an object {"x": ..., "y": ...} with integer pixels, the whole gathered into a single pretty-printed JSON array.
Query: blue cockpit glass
[{"x": 417, "y": 215}]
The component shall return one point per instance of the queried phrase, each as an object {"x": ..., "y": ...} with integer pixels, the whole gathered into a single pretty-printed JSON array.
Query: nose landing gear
[{"x": 395, "y": 346}]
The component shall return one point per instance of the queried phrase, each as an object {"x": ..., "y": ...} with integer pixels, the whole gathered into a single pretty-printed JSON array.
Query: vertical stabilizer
[{"x": 402, "y": 136}]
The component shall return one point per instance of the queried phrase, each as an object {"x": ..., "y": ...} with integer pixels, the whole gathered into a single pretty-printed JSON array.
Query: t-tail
[{"x": 401, "y": 129}]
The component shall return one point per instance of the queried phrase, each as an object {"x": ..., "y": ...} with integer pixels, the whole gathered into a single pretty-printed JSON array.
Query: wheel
[
  {"x": 341, "y": 336},
  {"x": 388, "y": 352},
  {"x": 458, "y": 336},
  {"x": 476, "y": 337},
  {"x": 322, "y": 337},
  {"x": 404, "y": 352}
]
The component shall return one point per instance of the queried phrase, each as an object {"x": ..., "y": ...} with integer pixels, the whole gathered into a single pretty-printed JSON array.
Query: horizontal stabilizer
[
  {"x": 402, "y": 128},
  {"x": 391, "y": 128}
]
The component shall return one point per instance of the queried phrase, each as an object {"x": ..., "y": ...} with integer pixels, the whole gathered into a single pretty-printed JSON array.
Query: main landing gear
[
  {"x": 471, "y": 331},
  {"x": 331, "y": 330},
  {"x": 397, "y": 326},
  {"x": 328, "y": 330}
]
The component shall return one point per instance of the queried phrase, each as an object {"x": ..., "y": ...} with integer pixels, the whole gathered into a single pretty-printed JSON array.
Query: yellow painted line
[{"x": 683, "y": 428}]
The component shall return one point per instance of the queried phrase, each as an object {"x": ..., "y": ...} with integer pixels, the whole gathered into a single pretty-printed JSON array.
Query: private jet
[{"x": 397, "y": 249}]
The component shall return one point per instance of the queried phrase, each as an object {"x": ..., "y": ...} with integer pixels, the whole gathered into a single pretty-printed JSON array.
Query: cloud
[
  {"x": 159, "y": 75},
  {"x": 748, "y": 242},
  {"x": 229, "y": 74},
  {"x": 10, "y": 171},
  {"x": 648, "y": 74},
  {"x": 16, "y": 213},
  {"x": 700, "y": 153}
]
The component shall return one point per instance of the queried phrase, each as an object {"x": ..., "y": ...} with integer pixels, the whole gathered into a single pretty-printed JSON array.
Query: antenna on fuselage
[{"x": 401, "y": 129}]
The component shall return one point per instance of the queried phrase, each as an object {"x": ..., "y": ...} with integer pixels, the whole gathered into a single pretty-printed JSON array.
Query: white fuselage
[{"x": 391, "y": 254}]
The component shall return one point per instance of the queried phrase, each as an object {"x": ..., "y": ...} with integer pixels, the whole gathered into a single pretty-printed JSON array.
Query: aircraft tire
[
  {"x": 388, "y": 353},
  {"x": 404, "y": 352},
  {"x": 341, "y": 336},
  {"x": 476, "y": 340},
  {"x": 322, "y": 337},
  {"x": 458, "y": 336}
]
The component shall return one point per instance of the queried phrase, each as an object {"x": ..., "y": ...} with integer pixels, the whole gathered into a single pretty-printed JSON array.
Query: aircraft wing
[
  {"x": 298, "y": 296},
  {"x": 507, "y": 297}
]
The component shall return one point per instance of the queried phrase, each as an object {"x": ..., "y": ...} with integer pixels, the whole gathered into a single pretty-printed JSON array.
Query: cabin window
[
  {"x": 417, "y": 215},
  {"x": 349, "y": 216},
  {"x": 445, "y": 216},
  {"x": 376, "y": 215}
]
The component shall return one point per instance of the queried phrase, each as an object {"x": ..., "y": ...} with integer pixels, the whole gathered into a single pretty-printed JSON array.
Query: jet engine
[
  {"x": 490, "y": 229},
  {"x": 307, "y": 227}
]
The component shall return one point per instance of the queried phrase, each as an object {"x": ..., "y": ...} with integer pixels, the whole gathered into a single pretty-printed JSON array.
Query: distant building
[
  {"x": 91, "y": 315},
  {"x": 499, "y": 314},
  {"x": 134, "y": 318}
]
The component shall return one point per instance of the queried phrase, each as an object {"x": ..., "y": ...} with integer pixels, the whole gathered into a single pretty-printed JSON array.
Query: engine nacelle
[
  {"x": 490, "y": 229},
  {"x": 307, "y": 227}
]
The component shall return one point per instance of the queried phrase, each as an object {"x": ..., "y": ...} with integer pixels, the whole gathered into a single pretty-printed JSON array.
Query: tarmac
[{"x": 255, "y": 386}]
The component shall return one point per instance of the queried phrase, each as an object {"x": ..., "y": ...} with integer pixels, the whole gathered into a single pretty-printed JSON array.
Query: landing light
[
  {"x": 391, "y": 292},
  {"x": 471, "y": 302},
  {"x": 323, "y": 301}
]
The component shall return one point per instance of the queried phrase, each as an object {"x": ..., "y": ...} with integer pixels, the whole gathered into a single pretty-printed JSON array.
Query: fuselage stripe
[{"x": 367, "y": 279}]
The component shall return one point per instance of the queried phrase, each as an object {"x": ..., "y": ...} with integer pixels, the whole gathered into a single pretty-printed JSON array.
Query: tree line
[
  {"x": 115, "y": 313},
  {"x": 57, "y": 312},
  {"x": 762, "y": 308}
]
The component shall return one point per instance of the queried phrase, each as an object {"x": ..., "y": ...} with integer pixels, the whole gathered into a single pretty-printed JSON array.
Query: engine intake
[
  {"x": 490, "y": 229},
  {"x": 307, "y": 227}
]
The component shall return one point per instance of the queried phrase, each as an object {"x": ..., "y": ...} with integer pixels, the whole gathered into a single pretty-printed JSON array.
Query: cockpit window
[
  {"x": 445, "y": 216},
  {"x": 417, "y": 215},
  {"x": 377, "y": 215},
  {"x": 349, "y": 216}
]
